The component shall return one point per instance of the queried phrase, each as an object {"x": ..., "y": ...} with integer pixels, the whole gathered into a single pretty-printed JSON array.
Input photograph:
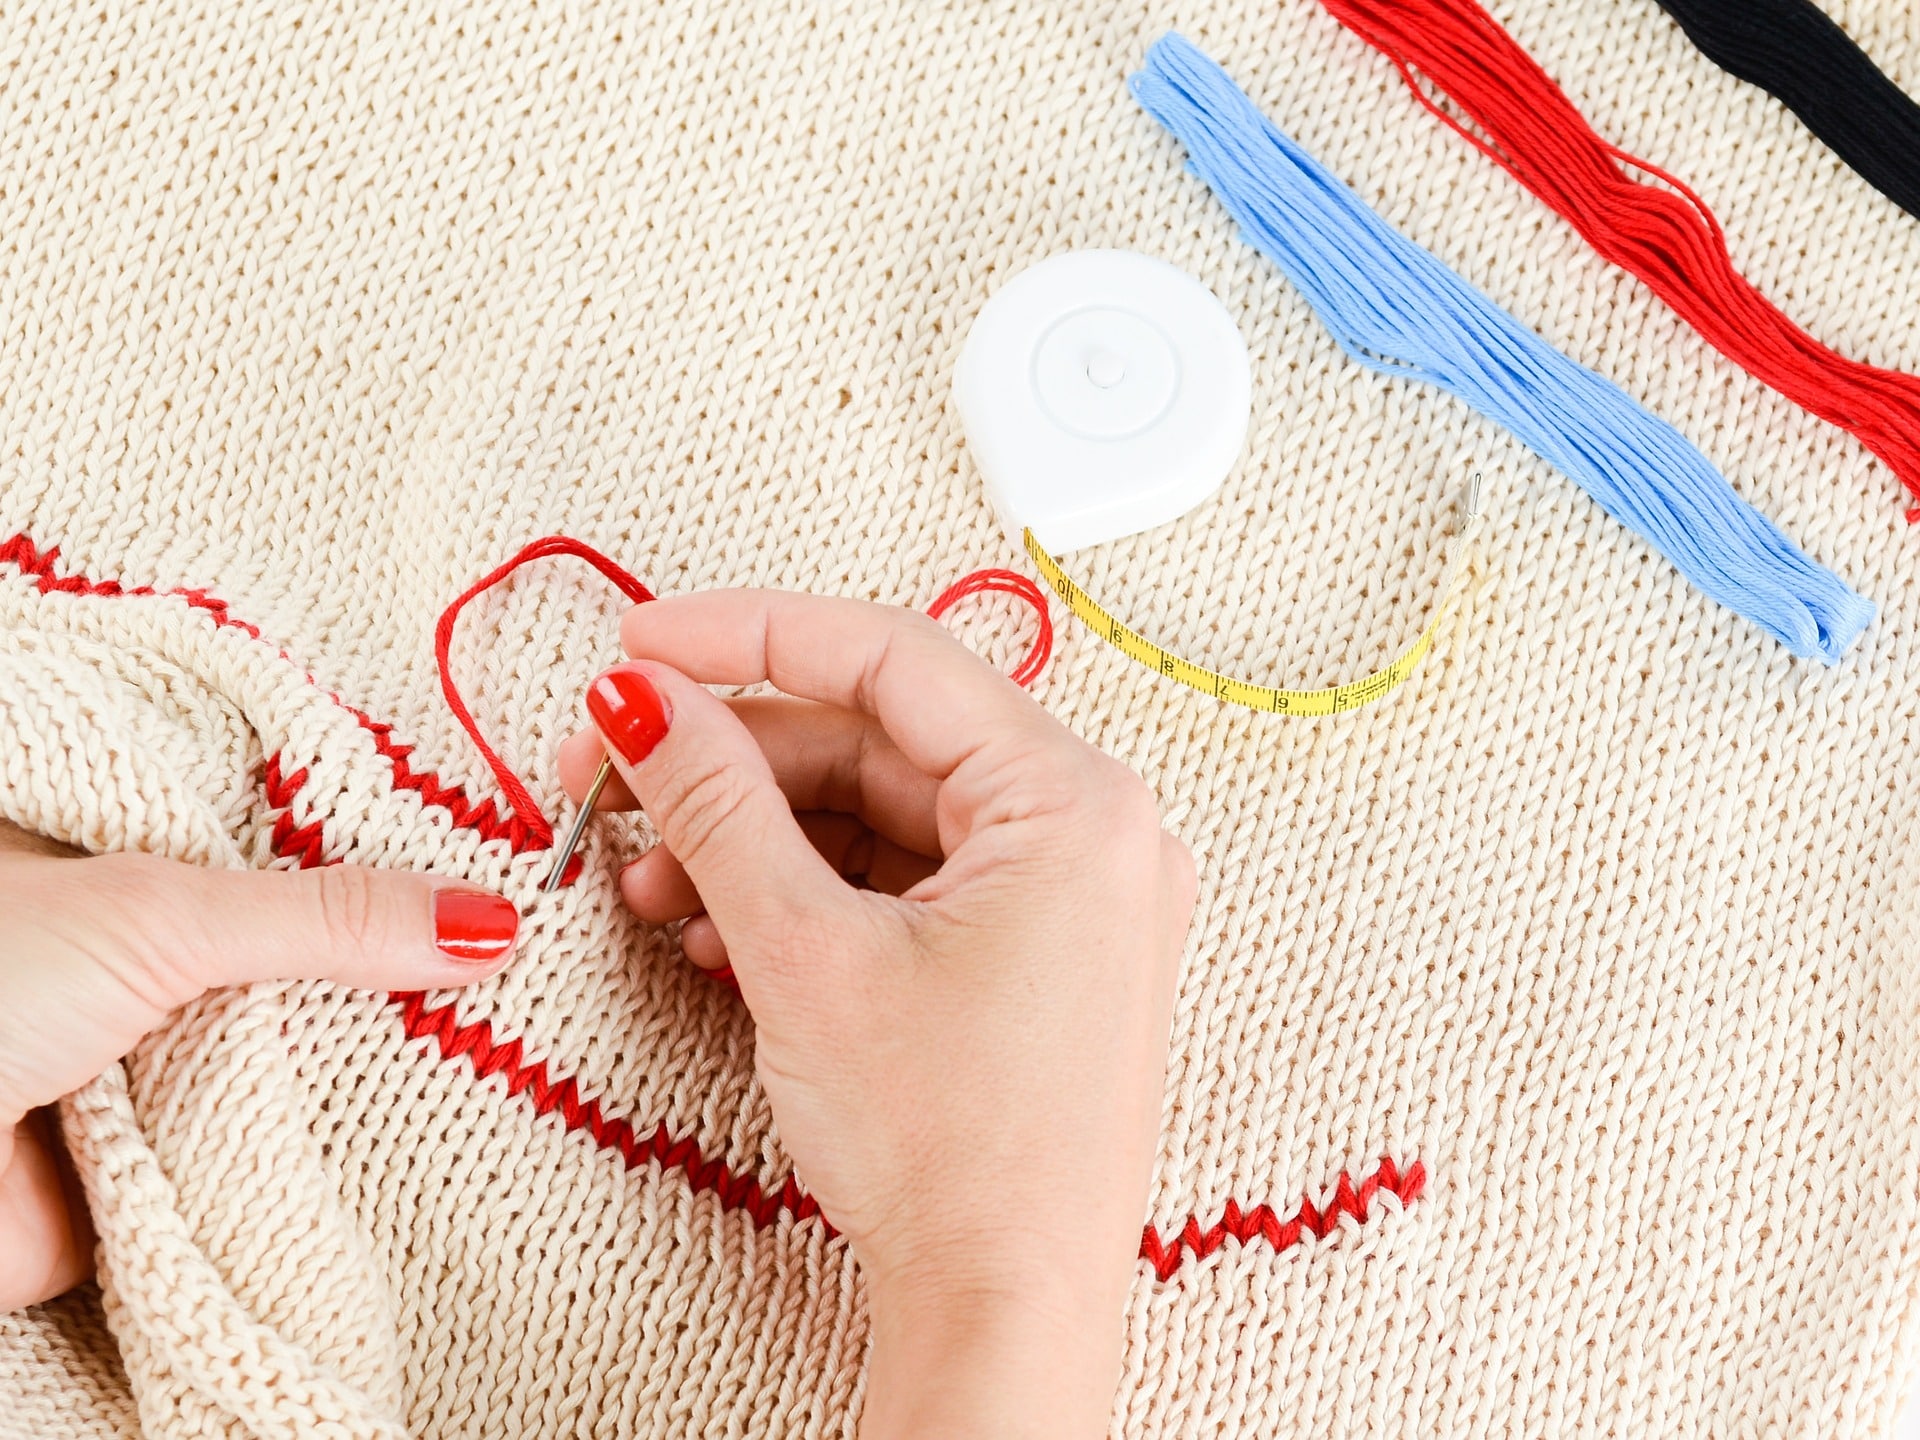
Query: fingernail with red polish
[
  {"x": 628, "y": 712},
  {"x": 473, "y": 925}
]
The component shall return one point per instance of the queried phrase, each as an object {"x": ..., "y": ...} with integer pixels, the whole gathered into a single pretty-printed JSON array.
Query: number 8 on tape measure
[{"x": 1104, "y": 393}]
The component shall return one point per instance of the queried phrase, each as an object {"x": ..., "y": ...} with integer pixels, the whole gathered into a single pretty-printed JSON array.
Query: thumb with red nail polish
[
  {"x": 706, "y": 786},
  {"x": 98, "y": 951}
]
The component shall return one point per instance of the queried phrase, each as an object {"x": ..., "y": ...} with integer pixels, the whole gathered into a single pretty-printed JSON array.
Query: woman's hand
[
  {"x": 95, "y": 952},
  {"x": 966, "y": 1057}
]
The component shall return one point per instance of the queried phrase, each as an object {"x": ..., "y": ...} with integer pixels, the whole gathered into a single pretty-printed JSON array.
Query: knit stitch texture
[{"x": 1560, "y": 1010}]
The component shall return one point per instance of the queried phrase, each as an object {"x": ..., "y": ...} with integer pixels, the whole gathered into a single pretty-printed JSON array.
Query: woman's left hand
[{"x": 96, "y": 952}]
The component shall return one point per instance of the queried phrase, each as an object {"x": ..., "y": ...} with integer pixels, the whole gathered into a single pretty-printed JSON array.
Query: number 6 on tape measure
[{"x": 1104, "y": 393}]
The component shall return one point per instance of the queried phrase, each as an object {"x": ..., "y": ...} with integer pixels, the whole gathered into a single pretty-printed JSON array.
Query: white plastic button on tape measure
[{"x": 1104, "y": 393}]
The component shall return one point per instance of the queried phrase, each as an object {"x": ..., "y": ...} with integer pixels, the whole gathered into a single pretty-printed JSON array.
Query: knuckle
[
  {"x": 1129, "y": 802},
  {"x": 1058, "y": 765},
  {"x": 907, "y": 633},
  {"x": 1082, "y": 786},
  {"x": 351, "y": 917},
  {"x": 696, "y": 807},
  {"x": 1051, "y": 793},
  {"x": 919, "y": 624}
]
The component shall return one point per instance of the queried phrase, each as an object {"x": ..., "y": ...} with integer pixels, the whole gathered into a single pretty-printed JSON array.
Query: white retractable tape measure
[{"x": 1103, "y": 393}]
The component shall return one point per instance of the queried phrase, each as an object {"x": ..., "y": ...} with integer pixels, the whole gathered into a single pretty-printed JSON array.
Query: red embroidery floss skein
[{"x": 1525, "y": 123}]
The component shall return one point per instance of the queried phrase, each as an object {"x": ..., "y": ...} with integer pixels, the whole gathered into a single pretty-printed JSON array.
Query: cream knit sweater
[{"x": 1588, "y": 960}]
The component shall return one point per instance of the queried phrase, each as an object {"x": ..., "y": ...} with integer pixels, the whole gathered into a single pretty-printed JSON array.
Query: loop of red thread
[
  {"x": 1005, "y": 582},
  {"x": 517, "y": 793},
  {"x": 1530, "y": 128}
]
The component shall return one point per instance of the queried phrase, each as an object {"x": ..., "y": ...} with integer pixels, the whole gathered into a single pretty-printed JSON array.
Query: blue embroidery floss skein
[{"x": 1396, "y": 309}]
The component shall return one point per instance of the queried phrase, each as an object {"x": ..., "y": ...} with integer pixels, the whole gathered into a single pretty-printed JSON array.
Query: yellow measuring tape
[{"x": 1331, "y": 701}]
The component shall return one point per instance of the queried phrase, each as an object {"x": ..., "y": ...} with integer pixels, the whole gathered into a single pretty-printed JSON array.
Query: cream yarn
[{"x": 1605, "y": 920}]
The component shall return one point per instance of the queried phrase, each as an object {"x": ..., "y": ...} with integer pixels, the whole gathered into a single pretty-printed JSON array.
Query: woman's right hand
[{"x": 965, "y": 1053}]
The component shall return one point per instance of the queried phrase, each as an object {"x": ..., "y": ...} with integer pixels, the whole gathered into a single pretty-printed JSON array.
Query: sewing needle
[{"x": 572, "y": 842}]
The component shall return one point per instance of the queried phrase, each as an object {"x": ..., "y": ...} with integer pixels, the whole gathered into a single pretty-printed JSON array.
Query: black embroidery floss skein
[{"x": 1794, "y": 52}]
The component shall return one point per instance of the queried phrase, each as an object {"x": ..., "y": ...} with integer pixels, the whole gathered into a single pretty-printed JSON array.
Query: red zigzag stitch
[
  {"x": 475, "y": 1041},
  {"x": 1262, "y": 1223},
  {"x": 482, "y": 816},
  {"x": 18, "y": 550},
  {"x": 302, "y": 843}
]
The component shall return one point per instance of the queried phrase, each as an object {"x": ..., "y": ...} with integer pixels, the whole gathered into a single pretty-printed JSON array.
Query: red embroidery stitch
[
  {"x": 18, "y": 550},
  {"x": 302, "y": 843},
  {"x": 466, "y": 813},
  {"x": 525, "y": 829},
  {"x": 1262, "y": 1223},
  {"x": 476, "y": 1043}
]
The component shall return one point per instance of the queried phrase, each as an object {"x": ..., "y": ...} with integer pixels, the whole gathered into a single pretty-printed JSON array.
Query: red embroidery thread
[
  {"x": 475, "y": 1040},
  {"x": 481, "y": 816},
  {"x": 1006, "y": 582},
  {"x": 1516, "y": 115},
  {"x": 305, "y": 844},
  {"x": 1261, "y": 1223},
  {"x": 533, "y": 832},
  {"x": 18, "y": 550},
  {"x": 524, "y": 829}
]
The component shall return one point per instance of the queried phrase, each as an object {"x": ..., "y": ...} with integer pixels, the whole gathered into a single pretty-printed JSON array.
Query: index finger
[{"x": 937, "y": 699}]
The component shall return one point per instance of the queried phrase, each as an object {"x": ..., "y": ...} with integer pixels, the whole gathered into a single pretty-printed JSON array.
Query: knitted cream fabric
[{"x": 1605, "y": 920}]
